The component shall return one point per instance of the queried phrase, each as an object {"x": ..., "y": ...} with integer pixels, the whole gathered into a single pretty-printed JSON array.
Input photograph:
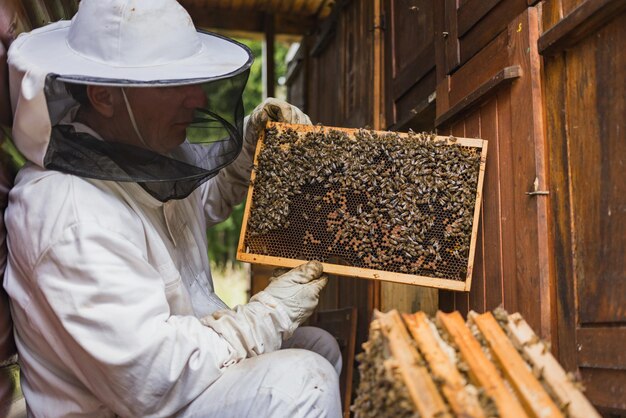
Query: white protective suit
[
  {"x": 107, "y": 287},
  {"x": 111, "y": 293}
]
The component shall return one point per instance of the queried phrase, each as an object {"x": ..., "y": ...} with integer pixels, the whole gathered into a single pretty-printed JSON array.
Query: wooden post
[{"x": 269, "y": 66}]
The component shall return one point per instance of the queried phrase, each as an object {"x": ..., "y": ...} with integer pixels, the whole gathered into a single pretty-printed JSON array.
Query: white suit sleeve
[
  {"x": 226, "y": 190},
  {"x": 108, "y": 317}
]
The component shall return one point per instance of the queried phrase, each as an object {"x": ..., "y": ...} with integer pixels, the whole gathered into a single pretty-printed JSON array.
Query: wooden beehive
[
  {"x": 414, "y": 366},
  {"x": 400, "y": 207}
]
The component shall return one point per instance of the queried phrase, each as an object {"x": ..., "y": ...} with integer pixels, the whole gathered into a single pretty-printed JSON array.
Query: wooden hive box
[
  {"x": 400, "y": 207},
  {"x": 445, "y": 367}
]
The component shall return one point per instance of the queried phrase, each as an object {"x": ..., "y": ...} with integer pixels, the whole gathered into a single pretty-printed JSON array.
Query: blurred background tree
[{"x": 231, "y": 278}]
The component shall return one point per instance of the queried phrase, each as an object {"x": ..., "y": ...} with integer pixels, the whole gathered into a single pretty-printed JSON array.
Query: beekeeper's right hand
[{"x": 271, "y": 316}]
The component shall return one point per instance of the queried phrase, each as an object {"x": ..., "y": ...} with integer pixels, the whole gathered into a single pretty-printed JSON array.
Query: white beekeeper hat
[
  {"x": 127, "y": 43},
  {"x": 130, "y": 42}
]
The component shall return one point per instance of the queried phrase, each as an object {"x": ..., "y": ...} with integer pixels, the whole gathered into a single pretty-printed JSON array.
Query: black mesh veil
[{"x": 213, "y": 140}]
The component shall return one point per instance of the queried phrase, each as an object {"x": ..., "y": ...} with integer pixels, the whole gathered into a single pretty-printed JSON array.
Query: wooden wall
[
  {"x": 585, "y": 90},
  {"x": 544, "y": 83}
]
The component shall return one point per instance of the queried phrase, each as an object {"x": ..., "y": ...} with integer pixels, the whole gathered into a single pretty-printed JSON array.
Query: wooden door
[
  {"x": 496, "y": 96},
  {"x": 585, "y": 91}
]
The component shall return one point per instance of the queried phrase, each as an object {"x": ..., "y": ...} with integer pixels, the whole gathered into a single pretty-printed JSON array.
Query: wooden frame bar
[
  {"x": 481, "y": 370},
  {"x": 397, "y": 277},
  {"x": 462, "y": 402},
  {"x": 534, "y": 399},
  {"x": 577, "y": 406},
  {"x": 420, "y": 385}
]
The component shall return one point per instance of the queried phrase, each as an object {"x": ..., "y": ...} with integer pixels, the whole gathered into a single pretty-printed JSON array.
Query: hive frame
[{"x": 341, "y": 270}]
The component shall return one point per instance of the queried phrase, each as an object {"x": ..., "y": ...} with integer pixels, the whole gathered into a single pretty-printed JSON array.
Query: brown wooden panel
[
  {"x": 477, "y": 298},
  {"x": 514, "y": 231},
  {"x": 471, "y": 11},
  {"x": 408, "y": 299},
  {"x": 555, "y": 88},
  {"x": 597, "y": 158},
  {"x": 579, "y": 23},
  {"x": 493, "y": 23},
  {"x": 477, "y": 71},
  {"x": 606, "y": 389},
  {"x": 462, "y": 29},
  {"x": 414, "y": 101},
  {"x": 341, "y": 324},
  {"x": 585, "y": 108},
  {"x": 602, "y": 347}
]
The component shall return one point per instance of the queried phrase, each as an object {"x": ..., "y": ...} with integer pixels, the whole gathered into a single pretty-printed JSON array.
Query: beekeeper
[{"x": 132, "y": 121}]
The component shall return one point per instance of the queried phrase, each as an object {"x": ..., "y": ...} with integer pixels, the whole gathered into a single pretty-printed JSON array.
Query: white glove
[
  {"x": 271, "y": 316},
  {"x": 298, "y": 291},
  {"x": 272, "y": 110}
]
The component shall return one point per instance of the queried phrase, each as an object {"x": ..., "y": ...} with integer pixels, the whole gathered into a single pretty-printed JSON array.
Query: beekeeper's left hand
[{"x": 272, "y": 110}]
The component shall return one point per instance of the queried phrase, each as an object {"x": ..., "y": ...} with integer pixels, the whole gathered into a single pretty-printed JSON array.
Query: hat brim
[{"x": 47, "y": 50}]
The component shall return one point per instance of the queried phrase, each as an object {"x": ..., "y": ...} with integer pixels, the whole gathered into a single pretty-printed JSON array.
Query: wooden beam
[
  {"x": 587, "y": 18},
  {"x": 249, "y": 21}
]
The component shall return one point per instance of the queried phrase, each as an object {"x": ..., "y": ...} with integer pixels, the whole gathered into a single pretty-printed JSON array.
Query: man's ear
[{"x": 102, "y": 99}]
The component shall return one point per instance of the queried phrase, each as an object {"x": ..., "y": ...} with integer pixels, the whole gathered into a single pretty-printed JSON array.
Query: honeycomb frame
[{"x": 302, "y": 242}]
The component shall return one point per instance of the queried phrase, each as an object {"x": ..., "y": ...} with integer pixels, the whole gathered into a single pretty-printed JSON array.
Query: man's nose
[{"x": 194, "y": 97}]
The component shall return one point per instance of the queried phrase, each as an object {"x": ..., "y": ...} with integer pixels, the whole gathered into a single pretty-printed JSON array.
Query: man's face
[{"x": 163, "y": 114}]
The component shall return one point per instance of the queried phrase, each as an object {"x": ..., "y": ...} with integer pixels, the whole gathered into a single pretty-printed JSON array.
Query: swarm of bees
[{"x": 384, "y": 201}]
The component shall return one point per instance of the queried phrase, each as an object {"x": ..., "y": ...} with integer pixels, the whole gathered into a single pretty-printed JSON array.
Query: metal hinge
[{"x": 536, "y": 191}]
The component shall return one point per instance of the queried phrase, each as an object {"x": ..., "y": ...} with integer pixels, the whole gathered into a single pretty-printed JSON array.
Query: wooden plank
[
  {"x": 492, "y": 220},
  {"x": 551, "y": 13},
  {"x": 567, "y": 394},
  {"x": 598, "y": 187},
  {"x": 481, "y": 370},
  {"x": 561, "y": 185},
  {"x": 471, "y": 11},
  {"x": 506, "y": 75},
  {"x": 587, "y": 18},
  {"x": 341, "y": 324},
  {"x": 531, "y": 278},
  {"x": 602, "y": 347},
  {"x": 406, "y": 298},
  {"x": 450, "y": 37},
  {"x": 452, "y": 384},
  {"x": 419, "y": 384},
  {"x": 413, "y": 72},
  {"x": 378, "y": 92},
  {"x": 535, "y": 400},
  {"x": 489, "y": 27},
  {"x": 491, "y": 60},
  {"x": 535, "y": 279},
  {"x": 495, "y": 292},
  {"x": 607, "y": 389}
]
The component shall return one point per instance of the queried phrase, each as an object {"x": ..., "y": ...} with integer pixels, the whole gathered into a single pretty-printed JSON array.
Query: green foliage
[{"x": 224, "y": 237}]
